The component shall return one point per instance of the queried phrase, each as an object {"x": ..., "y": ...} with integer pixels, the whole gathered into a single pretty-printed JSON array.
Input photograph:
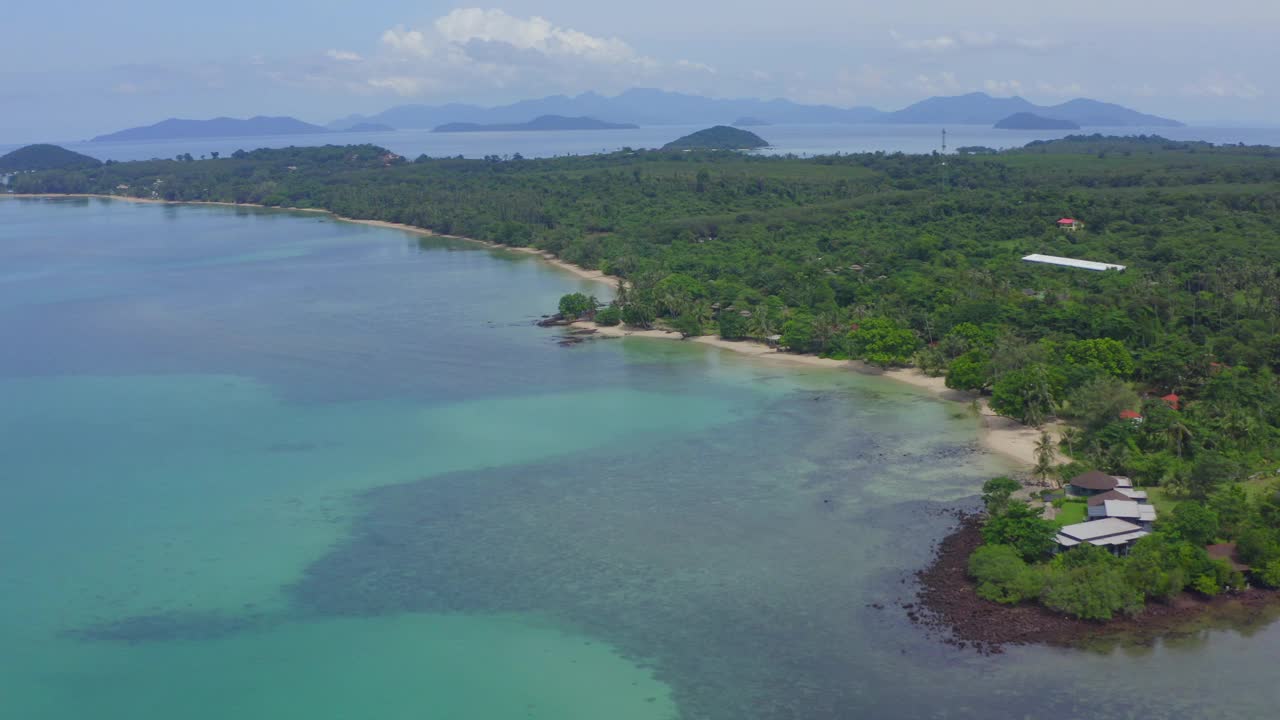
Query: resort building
[
  {"x": 1113, "y": 534},
  {"x": 1071, "y": 262},
  {"x": 1139, "y": 513},
  {"x": 1070, "y": 224},
  {"x": 1095, "y": 483}
]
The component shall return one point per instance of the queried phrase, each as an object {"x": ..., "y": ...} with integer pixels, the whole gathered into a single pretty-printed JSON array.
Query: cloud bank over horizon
[{"x": 495, "y": 55}]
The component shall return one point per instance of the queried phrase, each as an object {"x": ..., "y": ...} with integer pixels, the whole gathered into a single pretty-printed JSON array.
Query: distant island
[
  {"x": 45, "y": 157},
  {"x": 750, "y": 121},
  {"x": 220, "y": 127},
  {"x": 367, "y": 127},
  {"x": 720, "y": 137},
  {"x": 1031, "y": 121},
  {"x": 538, "y": 124}
]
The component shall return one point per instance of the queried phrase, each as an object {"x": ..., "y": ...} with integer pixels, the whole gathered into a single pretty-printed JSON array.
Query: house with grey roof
[
  {"x": 1131, "y": 510},
  {"x": 1114, "y": 534}
]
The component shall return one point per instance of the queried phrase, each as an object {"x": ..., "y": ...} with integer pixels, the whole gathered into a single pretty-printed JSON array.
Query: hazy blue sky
[{"x": 73, "y": 69}]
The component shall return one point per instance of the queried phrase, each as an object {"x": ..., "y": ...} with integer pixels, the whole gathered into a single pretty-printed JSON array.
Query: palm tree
[
  {"x": 1045, "y": 455},
  {"x": 1177, "y": 434}
]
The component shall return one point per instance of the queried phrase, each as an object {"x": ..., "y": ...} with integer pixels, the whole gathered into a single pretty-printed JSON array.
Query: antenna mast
[{"x": 944, "y": 141}]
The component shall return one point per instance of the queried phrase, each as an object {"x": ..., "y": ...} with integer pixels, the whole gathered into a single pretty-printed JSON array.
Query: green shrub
[
  {"x": 611, "y": 315},
  {"x": 1269, "y": 575},
  {"x": 1206, "y": 585},
  {"x": 1091, "y": 592},
  {"x": 1002, "y": 575},
  {"x": 575, "y": 305},
  {"x": 1023, "y": 529}
]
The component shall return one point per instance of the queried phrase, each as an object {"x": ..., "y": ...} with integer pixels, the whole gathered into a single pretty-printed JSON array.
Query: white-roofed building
[
  {"x": 1112, "y": 533},
  {"x": 1139, "y": 495},
  {"x": 1130, "y": 510},
  {"x": 1071, "y": 262}
]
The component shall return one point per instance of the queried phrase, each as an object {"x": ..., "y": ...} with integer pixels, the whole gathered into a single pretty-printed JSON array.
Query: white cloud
[
  {"x": 473, "y": 50},
  {"x": 1220, "y": 85},
  {"x": 941, "y": 84},
  {"x": 406, "y": 42},
  {"x": 343, "y": 55},
  {"x": 1070, "y": 89},
  {"x": 1002, "y": 87},
  {"x": 696, "y": 66},
  {"x": 467, "y": 24},
  {"x": 965, "y": 40}
]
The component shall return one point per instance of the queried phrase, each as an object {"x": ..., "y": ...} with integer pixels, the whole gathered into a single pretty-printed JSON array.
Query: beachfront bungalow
[
  {"x": 1114, "y": 534},
  {"x": 1071, "y": 262},
  {"x": 1070, "y": 224}
]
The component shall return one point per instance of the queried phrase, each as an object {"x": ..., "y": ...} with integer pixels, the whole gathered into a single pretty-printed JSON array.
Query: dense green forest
[
  {"x": 893, "y": 258},
  {"x": 45, "y": 157}
]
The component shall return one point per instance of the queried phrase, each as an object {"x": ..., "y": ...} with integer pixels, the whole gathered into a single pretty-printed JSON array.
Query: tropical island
[
  {"x": 720, "y": 137},
  {"x": 540, "y": 123},
  {"x": 1155, "y": 382},
  {"x": 1032, "y": 121}
]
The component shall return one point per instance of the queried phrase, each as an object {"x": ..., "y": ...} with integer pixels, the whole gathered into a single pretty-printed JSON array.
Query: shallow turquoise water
[{"x": 269, "y": 465}]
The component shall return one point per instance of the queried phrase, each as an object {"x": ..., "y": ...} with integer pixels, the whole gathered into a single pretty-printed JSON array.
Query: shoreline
[
  {"x": 997, "y": 434},
  {"x": 947, "y": 602}
]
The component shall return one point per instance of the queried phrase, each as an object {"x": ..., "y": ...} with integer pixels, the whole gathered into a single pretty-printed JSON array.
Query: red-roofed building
[
  {"x": 1069, "y": 224},
  {"x": 1130, "y": 415},
  {"x": 1173, "y": 401}
]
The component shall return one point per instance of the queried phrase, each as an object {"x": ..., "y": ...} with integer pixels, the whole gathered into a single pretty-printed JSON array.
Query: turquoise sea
[{"x": 259, "y": 464}]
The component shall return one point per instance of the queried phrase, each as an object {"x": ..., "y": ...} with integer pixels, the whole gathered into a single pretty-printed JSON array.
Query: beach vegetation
[{"x": 576, "y": 305}]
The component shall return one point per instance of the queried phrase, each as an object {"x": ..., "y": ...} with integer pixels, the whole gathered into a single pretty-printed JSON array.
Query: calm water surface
[
  {"x": 266, "y": 465},
  {"x": 797, "y": 139}
]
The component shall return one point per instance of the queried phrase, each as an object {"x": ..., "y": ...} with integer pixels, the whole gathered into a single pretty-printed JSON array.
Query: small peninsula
[
  {"x": 1032, "y": 121},
  {"x": 45, "y": 157},
  {"x": 720, "y": 137},
  {"x": 541, "y": 123}
]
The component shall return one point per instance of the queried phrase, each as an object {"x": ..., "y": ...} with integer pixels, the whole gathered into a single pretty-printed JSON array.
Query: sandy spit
[{"x": 1000, "y": 435}]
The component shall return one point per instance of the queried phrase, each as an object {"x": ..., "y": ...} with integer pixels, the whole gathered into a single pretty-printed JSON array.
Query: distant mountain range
[
  {"x": 657, "y": 107},
  {"x": 982, "y": 109},
  {"x": 220, "y": 127},
  {"x": 541, "y": 123}
]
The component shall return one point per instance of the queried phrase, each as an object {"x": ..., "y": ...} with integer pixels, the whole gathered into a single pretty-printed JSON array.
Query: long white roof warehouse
[{"x": 1071, "y": 262}]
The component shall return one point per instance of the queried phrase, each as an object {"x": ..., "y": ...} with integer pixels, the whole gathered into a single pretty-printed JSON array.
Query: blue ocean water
[
  {"x": 262, "y": 464},
  {"x": 784, "y": 139}
]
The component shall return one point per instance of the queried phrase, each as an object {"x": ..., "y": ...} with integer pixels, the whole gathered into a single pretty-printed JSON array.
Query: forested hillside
[{"x": 893, "y": 258}]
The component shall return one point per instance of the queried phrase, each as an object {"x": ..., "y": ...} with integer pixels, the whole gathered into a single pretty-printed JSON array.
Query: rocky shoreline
[{"x": 947, "y": 603}]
